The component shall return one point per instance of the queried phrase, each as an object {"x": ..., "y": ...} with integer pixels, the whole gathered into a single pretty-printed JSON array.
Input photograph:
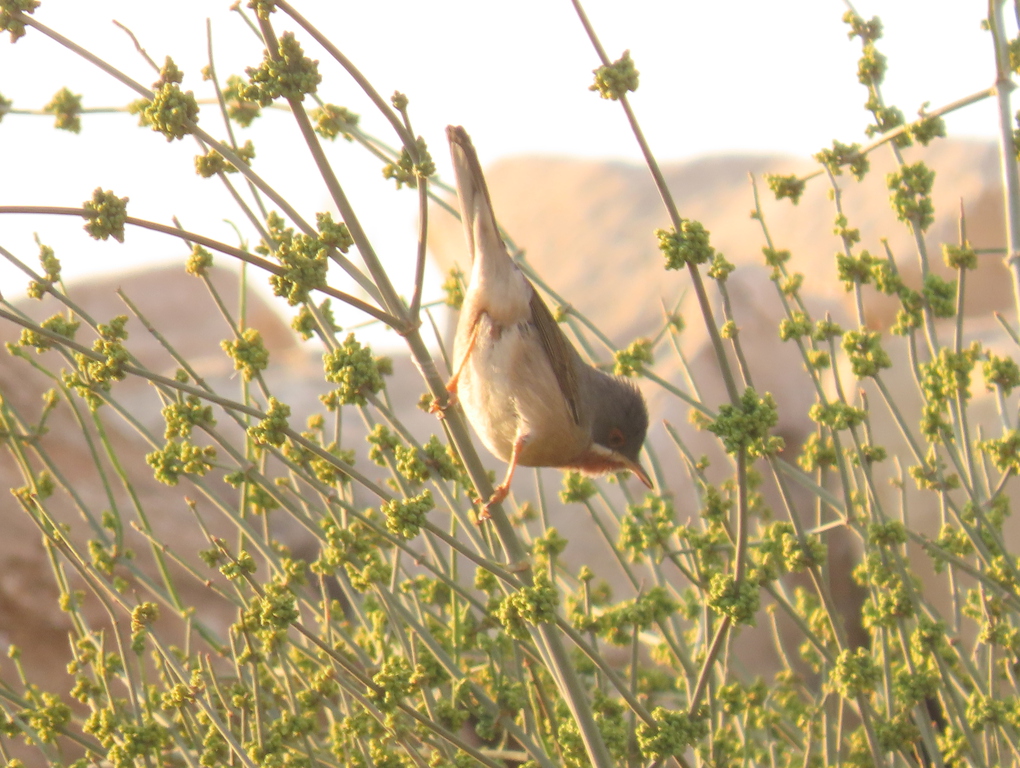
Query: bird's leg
[
  {"x": 504, "y": 488},
  {"x": 451, "y": 386}
]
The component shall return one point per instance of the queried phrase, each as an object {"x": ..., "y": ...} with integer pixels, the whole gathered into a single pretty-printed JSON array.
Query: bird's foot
[
  {"x": 451, "y": 400},
  {"x": 497, "y": 497}
]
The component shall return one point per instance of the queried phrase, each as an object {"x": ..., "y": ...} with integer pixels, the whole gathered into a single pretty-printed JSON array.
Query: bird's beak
[
  {"x": 637, "y": 470},
  {"x": 599, "y": 459}
]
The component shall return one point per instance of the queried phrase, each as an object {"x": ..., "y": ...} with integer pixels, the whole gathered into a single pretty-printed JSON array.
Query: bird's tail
[{"x": 475, "y": 205}]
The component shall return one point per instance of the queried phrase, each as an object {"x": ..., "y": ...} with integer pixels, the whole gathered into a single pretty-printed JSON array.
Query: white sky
[{"x": 715, "y": 77}]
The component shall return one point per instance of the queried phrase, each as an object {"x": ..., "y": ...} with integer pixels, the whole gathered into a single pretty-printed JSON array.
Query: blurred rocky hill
[{"x": 587, "y": 227}]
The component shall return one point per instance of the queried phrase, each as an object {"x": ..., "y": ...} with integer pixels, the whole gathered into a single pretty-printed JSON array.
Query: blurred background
[{"x": 716, "y": 78}]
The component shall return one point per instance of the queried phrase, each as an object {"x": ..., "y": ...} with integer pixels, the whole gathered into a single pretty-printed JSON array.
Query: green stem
[
  {"x": 1007, "y": 153},
  {"x": 237, "y": 253},
  {"x": 674, "y": 215}
]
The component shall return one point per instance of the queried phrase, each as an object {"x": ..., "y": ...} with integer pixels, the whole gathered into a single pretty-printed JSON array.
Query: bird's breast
[{"x": 508, "y": 390}]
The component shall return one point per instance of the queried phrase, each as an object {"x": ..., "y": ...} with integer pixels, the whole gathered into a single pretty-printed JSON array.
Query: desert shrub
[{"x": 277, "y": 593}]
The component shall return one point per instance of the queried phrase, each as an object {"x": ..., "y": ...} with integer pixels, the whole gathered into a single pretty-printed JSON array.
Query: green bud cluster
[
  {"x": 577, "y": 488},
  {"x": 172, "y": 112},
  {"x": 142, "y": 615},
  {"x": 248, "y": 352},
  {"x": 796, "y": 326},
  {"x": 738, "y": 601},
  {"x": 333, "y": 234},
  {"x": 267, "y": 616},
  {"x": 774, "y": 257},
  {"x": 66, "y": 107},
  {"x": 844, "y": 155},
  {"x": 355, "y": 370},
  {"x": 180, "y": 458},
  {"x": 868, "y": 31},
  {"x": 1001, "y": 372},
  {"x": 272, "y": 430},
  {"x": 304, "y": 258},
  {"x": 405, "y": 518},
  {"x": 930, "y": 475},
  {"x": 671, "y": 735},
  {"x": 886, "y": 119},
  {"x": 10, "y": 16},
  {"x": 836, "y": 416},
  {"x": 392, "y": 683},
  {"x": 106, "y": 214},
  {"x": 720, "y": 269},
  {"x": 407, "y": 171},
  {"x": 332, "y": 121},
  {"x": 939, "y": 295},
  {"x": 619, "y": 621},
  {"x": 781, "y": 551},
  {"x": 55, "y": 324},
  {"x": 648, "y": 526},
  {"x": 239, "y": 109},
  {"x": 212, "y": 162},
  {"x": 384, "y": 443},
  {"x": 47, "y": 716},
  {"x": 747, "y": 425},
  {"x": 453, "y": 287},
  {"x": 911, "y": 199},
  {"x": 927, "y": 128},
  {"x": 959, "y": 256},
  {"x": 181, "y": 416},
  {"x": 689, "y": 246},
  {"x": 262, "y": 8},
  {"x": 529, "y": 606},
  {"x": 199, "y": 261},
  {"x": 855, "y": 673},
  {"x": 613, "y": 81},
  {"x": 94, "y": 376},
  {"x": 949, "y": 375},
  {"x": 306, "y": 324},
  {"x": 786, "y": 186},
  {"x": 865, "y": 353},
  {"x": 289, "y": 75},
  {"x": 633, "y": 360},
  {"x": 1004, "y": 451},
  {"x": 857, "y": 270},
  {"x": 819, "y": 452}
]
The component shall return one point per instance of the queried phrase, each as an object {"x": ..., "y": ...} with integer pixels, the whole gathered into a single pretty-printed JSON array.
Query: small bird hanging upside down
[{"x": 526, "y": 391}]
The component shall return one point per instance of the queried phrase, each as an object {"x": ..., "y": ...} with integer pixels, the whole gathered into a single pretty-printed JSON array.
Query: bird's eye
[{"x": 616, "y": 438}]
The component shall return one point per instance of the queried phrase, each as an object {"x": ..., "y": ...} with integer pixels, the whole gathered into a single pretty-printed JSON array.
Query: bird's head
[{"x": 618, "y": 423}]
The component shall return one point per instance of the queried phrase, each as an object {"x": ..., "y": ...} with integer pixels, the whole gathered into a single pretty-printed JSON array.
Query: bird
[{"x": 528, "y": 394}]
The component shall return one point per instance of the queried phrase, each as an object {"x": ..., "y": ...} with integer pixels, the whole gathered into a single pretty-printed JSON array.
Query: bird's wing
[{"x": 562, "y": 356}]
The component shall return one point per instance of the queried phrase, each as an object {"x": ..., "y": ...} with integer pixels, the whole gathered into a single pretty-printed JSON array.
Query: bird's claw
[
  {"x": 451, "y": 400},
  {"x": 501, "y": 492}
]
